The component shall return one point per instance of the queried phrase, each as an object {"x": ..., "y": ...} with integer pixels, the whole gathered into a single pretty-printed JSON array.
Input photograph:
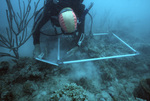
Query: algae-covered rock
[
  {"x": 143, "y": 90},
  {"x": 6, "y": 94},
  {"x": 4, "y": 66},
  {"x": 29, "y": 87}
]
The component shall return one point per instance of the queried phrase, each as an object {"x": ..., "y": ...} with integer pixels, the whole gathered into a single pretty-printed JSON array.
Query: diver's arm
[
  {"x": 82, "y": 22},
  {"x": 36, "y": 31},
  {"x": 81, "y": 34},
  {"x": 80, "y": 27},
  {"x": 40, "y": 19},
  {"x": 79, "y": 39}
]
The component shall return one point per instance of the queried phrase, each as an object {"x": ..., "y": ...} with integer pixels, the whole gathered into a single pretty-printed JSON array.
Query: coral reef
[
  {"x": 109, "y": 80},
  {"x": 71, "y": 92}
]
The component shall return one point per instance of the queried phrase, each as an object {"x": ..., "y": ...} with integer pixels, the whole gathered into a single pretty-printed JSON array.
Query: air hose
[{"x": 91, "y": 27}]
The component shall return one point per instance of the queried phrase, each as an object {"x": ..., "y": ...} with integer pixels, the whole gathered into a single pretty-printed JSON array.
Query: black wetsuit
[{"x": 52, "y": 10}]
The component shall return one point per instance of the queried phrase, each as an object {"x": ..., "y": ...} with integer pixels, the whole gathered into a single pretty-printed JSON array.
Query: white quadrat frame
[{"x": 91, "y": 59}]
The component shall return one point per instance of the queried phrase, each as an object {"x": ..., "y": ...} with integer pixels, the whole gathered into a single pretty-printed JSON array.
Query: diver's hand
[
  {"x": 72, "y": 51},
  {"x": 41, "y": 56},
  {"x": 36, "y": 51}
]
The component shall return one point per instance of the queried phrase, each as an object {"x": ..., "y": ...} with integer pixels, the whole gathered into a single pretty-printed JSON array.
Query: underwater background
[{"x": 117, "y": 79}]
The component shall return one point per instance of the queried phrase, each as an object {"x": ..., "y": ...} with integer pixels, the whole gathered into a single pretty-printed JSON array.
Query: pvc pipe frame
[
  {"x": 49, "y": 62},
  {"x": 109, "y": 57},
  {"x": 102, "y": 58},
  {"x": 92, "y": 59}
]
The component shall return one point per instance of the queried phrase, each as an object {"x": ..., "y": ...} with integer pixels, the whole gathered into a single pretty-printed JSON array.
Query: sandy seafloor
[{"x": 103, "y": 80}]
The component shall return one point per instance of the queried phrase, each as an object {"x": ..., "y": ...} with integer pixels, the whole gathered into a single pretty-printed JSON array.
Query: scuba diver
[{"x": 69, "y": 15}]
